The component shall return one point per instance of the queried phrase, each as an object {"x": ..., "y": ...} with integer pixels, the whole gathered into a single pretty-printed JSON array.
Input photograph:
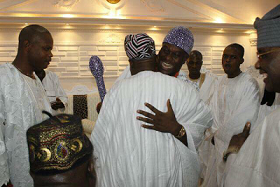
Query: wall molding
[{"x": 65, "y": 4}]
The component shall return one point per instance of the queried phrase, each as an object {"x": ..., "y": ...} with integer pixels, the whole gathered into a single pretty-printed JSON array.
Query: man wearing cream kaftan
[
  {"x": 22, "y": 100},
  {"x": 235, "y": 102},
  {"x": 129, "y": 155}
]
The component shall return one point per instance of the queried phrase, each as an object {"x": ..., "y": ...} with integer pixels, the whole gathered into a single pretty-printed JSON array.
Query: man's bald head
[
  {"x": 31, "y": 33},
  {"x": 196, "y": 54}
]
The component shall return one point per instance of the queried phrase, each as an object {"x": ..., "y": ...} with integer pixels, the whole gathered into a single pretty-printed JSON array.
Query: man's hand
[
  {"x": 57, "y": 104},
  {"x": 237, "y": 141},
  {"x": 162, "y": 121},
  {"x": 98, "y": 107}
]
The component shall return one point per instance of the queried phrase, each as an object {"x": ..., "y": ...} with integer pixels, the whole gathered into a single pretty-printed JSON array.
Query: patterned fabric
[
  {"x": 57, "y": 143},
  {"x": 80, "y": 107},
  {"x": 139, "y": 46},
  {"x": 180, "y": 37},
  {"x": 268, "y": 29}
]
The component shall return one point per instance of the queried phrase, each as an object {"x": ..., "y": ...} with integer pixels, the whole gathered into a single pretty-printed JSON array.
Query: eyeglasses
[{"x": 260, "y": 55}]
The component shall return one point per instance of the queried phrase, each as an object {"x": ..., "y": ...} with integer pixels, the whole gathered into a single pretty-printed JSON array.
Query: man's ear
[
  {"x": 91, "y": 173},
  {"x": 242, "y": 61},
  {"x": 26, "y": 45},
  {"x": 186, "y": 58},
  {"x": 157, "y": 59}
]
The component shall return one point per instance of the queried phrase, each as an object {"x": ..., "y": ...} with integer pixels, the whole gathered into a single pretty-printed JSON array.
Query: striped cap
[{"x": 139, "y": 46}]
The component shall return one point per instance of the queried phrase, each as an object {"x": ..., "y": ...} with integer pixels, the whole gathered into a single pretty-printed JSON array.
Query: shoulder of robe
[
  {"x": 5, "y": 72},
  {"x": 251, "y": 80}
]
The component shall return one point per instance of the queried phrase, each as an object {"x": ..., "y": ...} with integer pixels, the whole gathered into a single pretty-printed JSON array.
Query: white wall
[{"x": 73, "y": 48}]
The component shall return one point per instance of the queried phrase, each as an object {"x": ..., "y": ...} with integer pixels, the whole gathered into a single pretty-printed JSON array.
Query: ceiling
[{"x": 237, "y": 14}]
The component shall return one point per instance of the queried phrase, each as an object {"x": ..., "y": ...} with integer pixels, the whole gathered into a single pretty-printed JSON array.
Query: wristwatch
[{"x": 181, "y": 133}]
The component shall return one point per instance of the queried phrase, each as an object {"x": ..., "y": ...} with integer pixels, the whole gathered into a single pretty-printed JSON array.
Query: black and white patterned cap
[{"x": 139, "y": 46}]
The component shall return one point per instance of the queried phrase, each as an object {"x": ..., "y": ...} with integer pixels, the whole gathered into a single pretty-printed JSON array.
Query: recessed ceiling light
[{"x": 113, "y": 1}]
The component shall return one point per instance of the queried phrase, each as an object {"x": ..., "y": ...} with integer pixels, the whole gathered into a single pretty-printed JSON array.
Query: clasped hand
[
  {"x": 160, "y": 121},
  {"x": 57, "y": 104}
]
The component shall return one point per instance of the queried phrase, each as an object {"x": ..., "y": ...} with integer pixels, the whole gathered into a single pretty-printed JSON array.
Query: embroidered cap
[
  {"x": 57, "y": 143},
  {"x": 139, "y": 46},
  {"x": 180, "y": 37}
]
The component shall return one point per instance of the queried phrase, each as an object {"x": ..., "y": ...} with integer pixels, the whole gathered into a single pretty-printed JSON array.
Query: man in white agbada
[
  {"x": 257, "y": 163},
  {"x": 204, "y": 81},
  {"x": 234, "y": 102},
  {"x": 54, "y": 90},
  {"x": 22, "y": 98},
  {"x": 129, "y": 155},
  {"x": 269, "y": 100}
]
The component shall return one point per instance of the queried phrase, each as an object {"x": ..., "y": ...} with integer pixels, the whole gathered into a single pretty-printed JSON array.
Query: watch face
[{"x": 181, "y": 133}]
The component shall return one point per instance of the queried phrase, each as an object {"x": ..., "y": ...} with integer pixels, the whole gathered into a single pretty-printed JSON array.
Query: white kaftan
[
  {"x": 182, "y": 76},
  {"x": 22, "y": 100},
  {"x": 257, "y": 163},
  {"x": 265, "y": 110},
  {"x": 128, "y": 155},
  {"x": 4, "y": 169},
  {"x": 234, "y": 102},
  {"x": 206, "y": 86},
  {"x": 54, "y": 89}
]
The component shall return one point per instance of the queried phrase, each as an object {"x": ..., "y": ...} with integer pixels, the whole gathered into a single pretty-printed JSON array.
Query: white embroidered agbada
[
  {"x": 234, "y": 102},
  {"x": 22, "y": 100},
  {"x": 128, "y": 155},
  {"x": 205, "y": 85},
  {"x": 257, "y": 163},
  {"x": 54, "y": 89},
  {"x": 4, "y": 169}
]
